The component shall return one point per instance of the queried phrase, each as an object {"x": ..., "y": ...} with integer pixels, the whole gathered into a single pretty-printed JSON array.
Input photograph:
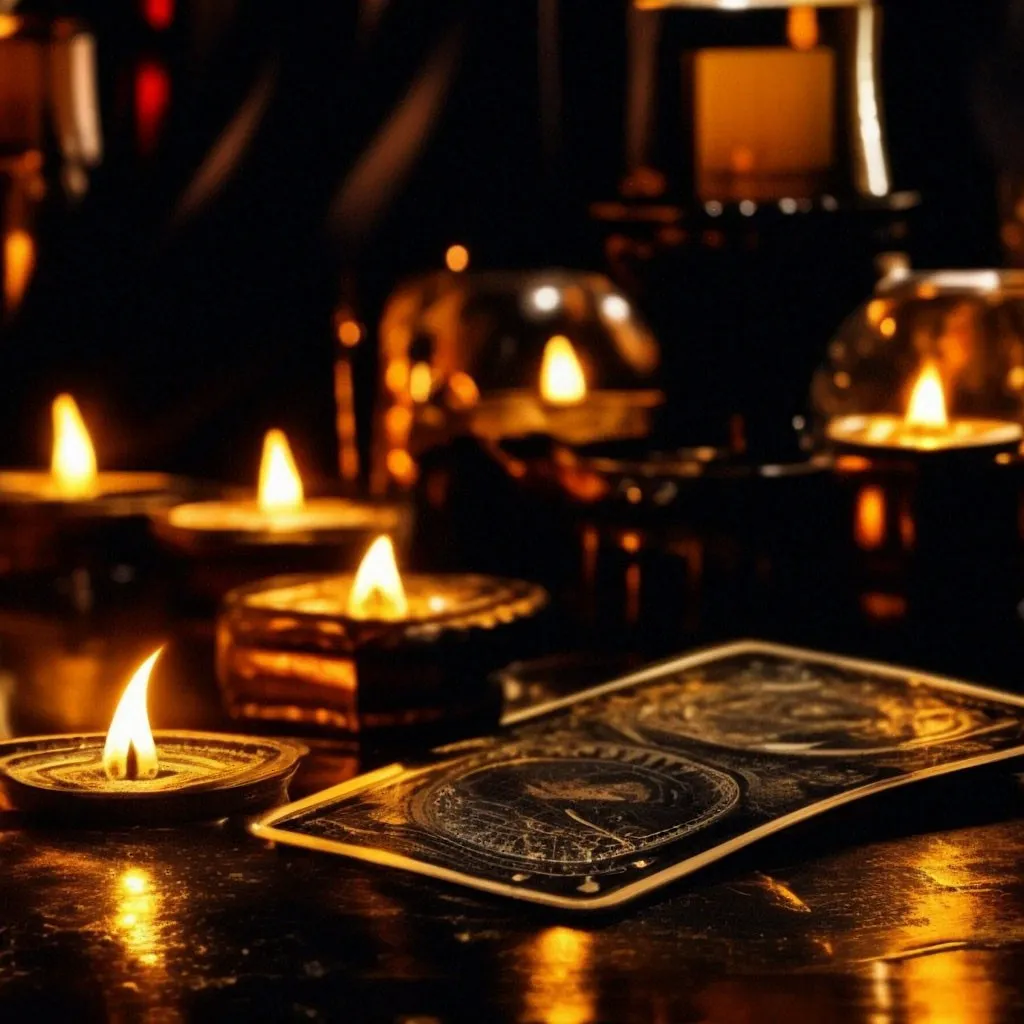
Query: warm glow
[
  {"x": 401, "y": 466},
  {"x": 560, "y": 987},
  {"x": 462, "y": 390},
  {"x": 73, "y": 464},
  {"x": 561, "y": 376},
  {"x": 280, "y": 484},
  {"x": 802, "y": 28},
  {"x": 159, "y": 14},
  {"x": 421, "y": 382},
  {"x": 927, "y": 405},
  {"x": 9, "y": 25},
  {"x": 377, "y": 591},
  {"x": 152, "y": 101},
  {"x": 870, "y": 518},
  {"x": 764, "y": 122},
  {"x": 19, "y": 262},
  {"x": 396, "y": 376},
  {"x": 130, "y": 751},
  {"x": 546, "y": 299},
  {"x": 135, "y": 912},
  {"x": 456, "y": 258},
  {"x": 349, "y": 333}
]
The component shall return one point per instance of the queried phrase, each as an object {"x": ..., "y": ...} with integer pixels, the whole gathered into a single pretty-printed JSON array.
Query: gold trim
[{"x": 264, "y": 826}]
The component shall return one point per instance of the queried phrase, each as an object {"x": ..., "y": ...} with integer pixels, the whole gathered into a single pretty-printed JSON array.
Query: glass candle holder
[
  {"x": 757, "y": 194},
  {"x": 759, "y": 101},
  {"x": 290, "y": 651},
  {"x": 932, "y": 364},
  {"x": 507, "y": 354},
  {"x": 919, "y": 401}
]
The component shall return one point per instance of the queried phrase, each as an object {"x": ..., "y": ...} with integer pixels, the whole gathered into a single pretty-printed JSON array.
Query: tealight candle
[
  {"x": 230, "y": 542},
  {"x": 370, "y": 650},
  {"x": 40, "y": 508},
  {"x": 925, "y": 490},
  {"x": 74, "y": 479},
  {"x": 564, "y": 407},
  {"x": 926, "y": 426},
  {"x": 134, "y": 776}
]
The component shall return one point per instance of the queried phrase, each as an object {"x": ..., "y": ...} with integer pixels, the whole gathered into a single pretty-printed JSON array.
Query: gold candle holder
[
  {"x": 372, "y": 650},
  {"x": 132, "y": 776}
]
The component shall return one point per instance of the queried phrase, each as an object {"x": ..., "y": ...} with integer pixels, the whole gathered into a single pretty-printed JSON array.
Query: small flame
[
  {"x": 377, "y": 591},
  {"x": 561, "y": 375},
  {"x": 802, "y": 27},
  {"x": 280, "y": 487},
  {"x": 73, "y": 465},
  {"x": 927, "y": 405},
  {"x": 130, "y": 752}
]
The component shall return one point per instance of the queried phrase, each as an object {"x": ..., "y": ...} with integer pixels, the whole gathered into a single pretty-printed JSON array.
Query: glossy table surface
[{"x": 905, "y": 908}]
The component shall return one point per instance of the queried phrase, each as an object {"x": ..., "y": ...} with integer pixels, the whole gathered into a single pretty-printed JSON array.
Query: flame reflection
[
  {"x": 560, "y": 988},
  {"x": 135, "y": 918},
  {"x": 19, "y": 262},
  {"x": 870, "y": 518}
]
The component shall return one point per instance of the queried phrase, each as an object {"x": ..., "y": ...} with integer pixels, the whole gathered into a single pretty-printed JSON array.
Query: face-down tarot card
[{"x": 590, "y": 801}]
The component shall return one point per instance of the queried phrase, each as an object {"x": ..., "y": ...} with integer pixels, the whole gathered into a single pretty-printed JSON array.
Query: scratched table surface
[{"x": 906, "y": 908}]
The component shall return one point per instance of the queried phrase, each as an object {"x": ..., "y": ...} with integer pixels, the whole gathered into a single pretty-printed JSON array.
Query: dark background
[{"x": 187, "y": 328}]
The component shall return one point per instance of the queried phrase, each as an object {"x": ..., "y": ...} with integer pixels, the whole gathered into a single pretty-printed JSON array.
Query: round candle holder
[
  {"x": 81, "y": 546},
  {"x": 222, "y": 545},
  {"x": 202, "y": 777},
  {"x": 288, "y": 651},
  {"x": 493, "y": 355},
  {"x": 920, "y": 399}
]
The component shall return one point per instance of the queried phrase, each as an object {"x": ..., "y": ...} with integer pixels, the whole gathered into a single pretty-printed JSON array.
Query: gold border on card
[{"x": 265, "y": 826}]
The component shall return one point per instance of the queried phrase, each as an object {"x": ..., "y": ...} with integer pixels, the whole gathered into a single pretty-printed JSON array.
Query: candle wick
[{"x": 131, "y": 763}]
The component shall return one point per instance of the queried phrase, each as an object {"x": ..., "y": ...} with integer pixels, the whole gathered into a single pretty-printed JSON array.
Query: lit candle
[
  {"x": 73, "y": 477},
  {"x": 280, "y": 508},
  {"x": 763, "y": 121},
  {"x": 74, "y": 510},
  {"x": 232, "y": 542},
  {"x": 371, "y": 649},
  {"x": 134, "y": 776},
  {"x": 926, "y": 425},
  {"x": 563, "y": 406}
]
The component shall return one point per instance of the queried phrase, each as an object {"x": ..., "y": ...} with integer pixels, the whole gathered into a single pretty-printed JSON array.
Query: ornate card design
[{"x": 593, "y": 800}]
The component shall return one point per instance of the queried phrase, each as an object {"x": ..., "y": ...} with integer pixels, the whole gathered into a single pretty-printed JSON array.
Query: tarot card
[{"x": 591, "y": 801}]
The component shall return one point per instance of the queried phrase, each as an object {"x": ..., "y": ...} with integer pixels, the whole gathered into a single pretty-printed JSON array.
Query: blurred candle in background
[{"x": 764, "y": 117}]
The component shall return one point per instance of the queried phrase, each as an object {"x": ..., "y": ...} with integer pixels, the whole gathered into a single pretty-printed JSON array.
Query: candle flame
[
  {"x": 130, "y": 751},
  {"x": 802, "y": 27},
  {"x": 377, "y": 591},
  {"x": 280, "y": 488},
  {"x": 927, "y": 405},
  {"x": 73, "y": 465},
  {"x": 561, "y": 375}
]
